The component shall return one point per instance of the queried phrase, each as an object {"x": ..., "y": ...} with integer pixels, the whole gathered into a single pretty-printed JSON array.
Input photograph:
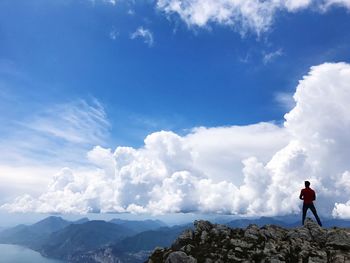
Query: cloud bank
[
  {"x": 36, "y": 146},
  {"x": 244, "y": 15},
  {"x": 249, "y": 170}
]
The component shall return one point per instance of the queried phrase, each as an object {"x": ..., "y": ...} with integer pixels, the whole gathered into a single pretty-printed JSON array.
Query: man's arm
[
  {"x": 314, "y": 197},
  {"x": 301, "y": 196}
]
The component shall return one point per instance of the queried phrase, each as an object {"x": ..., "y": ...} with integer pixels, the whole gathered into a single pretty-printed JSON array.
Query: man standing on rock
[{"x": 308, "y": 195}]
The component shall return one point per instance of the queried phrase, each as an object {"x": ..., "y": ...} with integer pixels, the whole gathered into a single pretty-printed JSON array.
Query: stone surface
[
  {"x": 214, "y": 243},
  {"x": 179, "y": 257}
]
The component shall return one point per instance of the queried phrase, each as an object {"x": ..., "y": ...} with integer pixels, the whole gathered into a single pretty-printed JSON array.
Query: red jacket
[{"x": 308, "y": 195}]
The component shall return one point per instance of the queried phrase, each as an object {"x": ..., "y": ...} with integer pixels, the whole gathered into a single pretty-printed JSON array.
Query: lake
[{"x": 18, "y": 254}]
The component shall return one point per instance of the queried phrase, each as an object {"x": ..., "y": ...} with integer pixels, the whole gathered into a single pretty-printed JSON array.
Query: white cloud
[
  {"x": 113, "y": 2},
  {"x": 76, "y": 122},
  {"x": 243, "y": 15},
  {"x": 285, "y": 99},
  {"x": 341, "y": 3},
  {"x": 44, "y": 141},
  {"x": 294, "y": 5},
  {"x": 250, "y": 170},
  {"x": 231, "y": 145},
  {"x": 57, "y": 133},
  {"x": 270, "y": 56},
  {"x": 169, "y": 174},
  {"x": 144, "y": 34},
  {"x": 110, "y": 2}
]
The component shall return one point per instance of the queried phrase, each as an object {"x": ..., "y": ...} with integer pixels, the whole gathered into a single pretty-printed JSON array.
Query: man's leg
[
  {"x": 313, "y": 209},
  {"x": 305, "y": 207}
]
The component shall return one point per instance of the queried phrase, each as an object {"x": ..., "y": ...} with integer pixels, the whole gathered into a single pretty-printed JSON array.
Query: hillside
[
  {"x": 34, "y": 235},
  {"x": 134, "y": 249},
  {"x": 80, "y": 238},
  {"x": 218, "y": 243}
]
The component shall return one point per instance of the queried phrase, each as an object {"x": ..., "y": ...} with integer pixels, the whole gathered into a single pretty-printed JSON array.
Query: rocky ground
[{"x": 209, "y": 243}]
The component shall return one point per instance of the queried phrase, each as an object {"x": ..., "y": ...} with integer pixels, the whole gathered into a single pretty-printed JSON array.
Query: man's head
[{"x": 307, "y": 184}]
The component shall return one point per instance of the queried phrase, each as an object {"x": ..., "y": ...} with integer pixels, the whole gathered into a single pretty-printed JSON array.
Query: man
[{"x": 308, "y": 195}]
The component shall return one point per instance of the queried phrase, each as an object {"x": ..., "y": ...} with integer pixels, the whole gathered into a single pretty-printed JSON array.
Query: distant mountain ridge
[
  {"x": 137, "y": 227},
  {"x": 58, "y": 238},
  {"x": 130, "y": 241},
  {"x": 33, "y": 236},
  {"x": 134, "y": 249},
  {"x": 80, "y": 238}
]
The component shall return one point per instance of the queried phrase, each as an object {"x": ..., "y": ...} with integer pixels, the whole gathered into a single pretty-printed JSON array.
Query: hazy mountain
[
  {"x": 33, "y": 235},
  {"x": 148, "y": 240},
  {"x": 81, "y": 220},
  {"x": 134, "y": 249},
  {"x": 139, "y": 226},
  {"x": 330, "y": 222},
  {"x": 124, "y": 240},
  {"x": 79, "y": 238}
]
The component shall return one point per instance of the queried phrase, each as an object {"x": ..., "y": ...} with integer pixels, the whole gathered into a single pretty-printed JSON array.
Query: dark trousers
[{"x": 313, "y": 210}]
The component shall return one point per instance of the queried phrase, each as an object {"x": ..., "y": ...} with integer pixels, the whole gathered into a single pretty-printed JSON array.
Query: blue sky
[
  {"x": 62, "y": 50},
  {"x": 123, "y": 70}
]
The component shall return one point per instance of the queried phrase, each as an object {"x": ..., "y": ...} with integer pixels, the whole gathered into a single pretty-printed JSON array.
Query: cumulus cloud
[
  {"x": 170, "y": 173},
  {"x": 256, "y": 169},
  {"x": 144, "y": 34},
  {"x": 244, "y": 15}
]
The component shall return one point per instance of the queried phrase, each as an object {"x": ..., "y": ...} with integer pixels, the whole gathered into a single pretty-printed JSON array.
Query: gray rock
[
  {"x": 338, "y": 238},
  {"x": 240, "y": 243},
  {"x": 252, "y": 232},
  {"x": 183, "y": 239},
  {"x": 204, "y": 236},
  {"x": 273, "y": 232},
  {"x": 180, "y": 257},
  {"x": 211, "y": 243},
  {"x": 301, "y": 233},
  {"x": 201, "y": 225}
]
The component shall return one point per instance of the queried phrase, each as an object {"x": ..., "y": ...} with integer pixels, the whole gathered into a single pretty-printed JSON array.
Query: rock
[
  {"x": 317, "y": 233},
  {"x": 300, "y": 233},
  {"x": 273, "y": 232},
  {"x": 338, "y": 238},
  {"x": 204, "y": 236},
  {"x": 214, "y": 243},
  {"x": 185, "y": 238},
  {"x": 240, "y": 243},
  {"x": 202, "y": 226},
  {"x": 252, "y": 232},
  {"x": 179, "y": 257}
]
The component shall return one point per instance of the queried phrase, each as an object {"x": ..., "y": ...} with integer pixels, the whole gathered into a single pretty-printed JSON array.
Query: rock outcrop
[{"x": 214, "y": 243}]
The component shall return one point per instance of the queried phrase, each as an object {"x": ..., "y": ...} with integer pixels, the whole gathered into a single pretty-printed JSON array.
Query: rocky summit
[{"x": 215, "y": 243}]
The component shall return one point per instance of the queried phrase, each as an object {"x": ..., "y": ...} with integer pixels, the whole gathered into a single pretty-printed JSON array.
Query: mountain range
[{"x": 125, "y": 240}]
